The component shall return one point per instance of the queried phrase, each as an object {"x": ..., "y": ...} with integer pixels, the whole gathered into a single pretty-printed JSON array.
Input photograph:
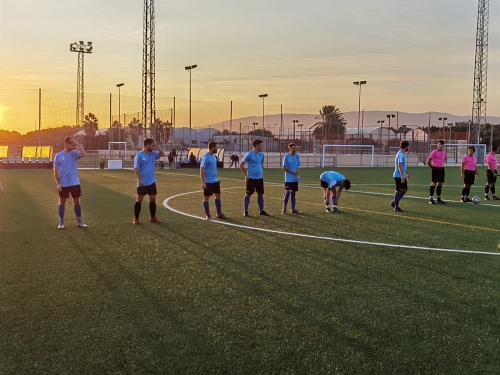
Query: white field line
[{"x": 166, "y": 204}]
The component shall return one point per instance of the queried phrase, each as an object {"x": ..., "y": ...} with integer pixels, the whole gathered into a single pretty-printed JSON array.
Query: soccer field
[{"x": 363, "y": 291}]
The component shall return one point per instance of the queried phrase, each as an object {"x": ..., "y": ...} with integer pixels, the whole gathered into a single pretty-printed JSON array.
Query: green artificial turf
[{"x": 195, "y": 297}]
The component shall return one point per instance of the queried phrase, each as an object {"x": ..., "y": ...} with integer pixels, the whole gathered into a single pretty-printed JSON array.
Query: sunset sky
[{"x": 417, "y": 56}]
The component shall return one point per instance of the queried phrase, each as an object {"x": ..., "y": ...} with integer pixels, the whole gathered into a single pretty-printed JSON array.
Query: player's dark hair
[
  {"x": 67, "y": 139},
  {"x": 257, "y": 142},
  {"x": 290, "y": 145},
  {"x": 494, "y": 148},
  {"x": 148, "y": 141},
  {"x": 403, "y": 144},
  {"x": 347, "y": 184},
  {"x": 471, "y": 148},
  {"x": 441, "y": 142},
  {"x": 211, "y": 144}
]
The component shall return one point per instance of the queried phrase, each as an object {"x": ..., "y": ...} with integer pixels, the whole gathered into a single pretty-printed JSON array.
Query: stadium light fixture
[{"x": 443, "y": 119}]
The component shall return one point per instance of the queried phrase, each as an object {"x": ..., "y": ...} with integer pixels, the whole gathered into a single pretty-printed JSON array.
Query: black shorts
[
  {"x": 212, "y": 188},
  {"x": 469, "y": 177},
  {"x": 438, "y": 174},
  {"x": 147, "y": 190},
  {"x": 401, "y": 185},
  {"x": 255, "y": 185},
  {"x": 489, "y": 176},
  {"x": 75, "y": 191},
  {"x": 293, "y": 186}
]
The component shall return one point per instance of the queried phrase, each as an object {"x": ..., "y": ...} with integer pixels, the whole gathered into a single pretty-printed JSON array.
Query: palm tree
[{"x": 332, "y": 122}]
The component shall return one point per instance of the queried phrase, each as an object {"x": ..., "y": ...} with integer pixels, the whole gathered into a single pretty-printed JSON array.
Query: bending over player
[{"x": 330, "y": 181}]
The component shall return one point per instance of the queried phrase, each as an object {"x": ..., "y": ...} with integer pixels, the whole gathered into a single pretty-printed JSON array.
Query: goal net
[
  {"x": 347, "y": 156},
  {"x": 456, "y": 151},
  {"x": 117, "y": 150}
]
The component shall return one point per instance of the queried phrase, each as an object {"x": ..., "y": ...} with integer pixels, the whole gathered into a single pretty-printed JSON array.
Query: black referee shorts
[
  {"x": 469, "y": 177},
  {"x": 489, "y": 176},
  {"x": 438, "y": 174}
]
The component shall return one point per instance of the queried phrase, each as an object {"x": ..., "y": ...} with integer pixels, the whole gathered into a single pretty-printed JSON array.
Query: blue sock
[
  {"x": 246, "y": 202},
  {"x": 207, "y": 209},
  {"x": 285, "y": 199},
  {"x": 334, "y": 201},
  {"x": 218, "y": 204},
  {"x": 293, "y": 200},
  {"x": 397, "y": 198},
  {"x": 260, "y": 201},
  {"x": 325, "y": 200},
  {"x": 62, "y": 207},
  {"x": 78, "y": 212}
]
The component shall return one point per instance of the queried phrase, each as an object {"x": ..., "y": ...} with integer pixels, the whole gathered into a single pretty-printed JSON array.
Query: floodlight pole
[
  {"x": 263, "y": 96},
  {"x": 294, "y": 122},
  {"x": 359, "y": 83},
  {"x": 190, "y": 68},
  {"x": 389, "y": 128},
  {"x": 119, "y": 112}
]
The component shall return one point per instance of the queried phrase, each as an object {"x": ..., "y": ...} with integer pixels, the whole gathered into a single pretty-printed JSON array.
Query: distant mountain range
[{"x": 369, "y": 119}]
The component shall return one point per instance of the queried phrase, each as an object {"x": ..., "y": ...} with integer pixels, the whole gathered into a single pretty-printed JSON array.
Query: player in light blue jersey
[
  {"x": 400, "y": 175},
  {"x": 67, "y": 181},
  {"x": 144, "y": 168},
  {"x": 291, "y": 165},
  {"x": 210, "y": 181},
  {"x": 330, "y": 181},
  {"x": 254, "y": 176}
]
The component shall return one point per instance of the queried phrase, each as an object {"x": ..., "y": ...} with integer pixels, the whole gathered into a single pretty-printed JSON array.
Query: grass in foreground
[{"x": 190, "y": 296}]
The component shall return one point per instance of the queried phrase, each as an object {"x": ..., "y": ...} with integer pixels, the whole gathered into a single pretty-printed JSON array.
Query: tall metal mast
[
  {"x": 480, "y": 72},
  {"x": 148, "y": 71},
  {"x": 80, "y": 48}
]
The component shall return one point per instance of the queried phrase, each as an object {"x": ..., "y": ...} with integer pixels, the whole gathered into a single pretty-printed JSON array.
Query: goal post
[{"x": 347, "y": 155}]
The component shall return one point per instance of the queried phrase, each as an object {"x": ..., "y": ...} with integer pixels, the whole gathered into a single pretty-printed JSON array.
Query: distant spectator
[
  {"x": 192, "y": 159},
  {"x": 174, "y": 153},
  {"x": 234, "y": 160},
  {"x": 170, "y": 157}
]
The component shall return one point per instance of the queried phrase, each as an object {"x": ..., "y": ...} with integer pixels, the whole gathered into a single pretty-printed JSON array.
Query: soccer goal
[
  {"x": 456, "y": 151},
  {"x": 117, "y": 151},
  {"x": 347, "y": 155}
]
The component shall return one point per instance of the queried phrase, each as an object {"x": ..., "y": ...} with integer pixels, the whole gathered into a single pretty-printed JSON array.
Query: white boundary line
[{"x": 167, "y": 206}]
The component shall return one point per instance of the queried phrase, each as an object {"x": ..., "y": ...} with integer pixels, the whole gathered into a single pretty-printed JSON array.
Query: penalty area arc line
[{"x": 302, "y": 235}]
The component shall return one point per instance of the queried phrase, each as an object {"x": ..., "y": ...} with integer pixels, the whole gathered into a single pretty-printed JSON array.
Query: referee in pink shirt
[
  {"x": 491, "y": 174},
  {"x": 468, "y": 171},
  {"x": 436, "y": 163}
]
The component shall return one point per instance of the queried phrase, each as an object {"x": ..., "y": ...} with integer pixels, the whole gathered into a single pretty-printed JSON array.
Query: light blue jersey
[
  {"x": 146, "y": 162},
  {"x": 333, "y": 179},
  {"x": 255, "y": 161},
  {"x": 68, "y": 170},
  {"x": 400, "y": 158},
  {"x": 209, "y": 163},
  {"x": 291, "y": 162}
]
